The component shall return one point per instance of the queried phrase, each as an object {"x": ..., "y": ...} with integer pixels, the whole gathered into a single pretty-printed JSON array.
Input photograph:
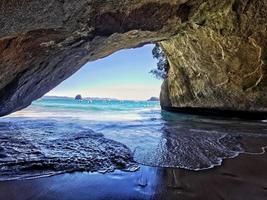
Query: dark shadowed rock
[{"x": 44, "y": 42}]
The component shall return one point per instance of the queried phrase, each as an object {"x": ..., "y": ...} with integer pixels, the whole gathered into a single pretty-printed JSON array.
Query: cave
[
  {"x": 216, "y": 53},
  {"x": 128, "y": 74},
  {"x": 216, "y": 49}
]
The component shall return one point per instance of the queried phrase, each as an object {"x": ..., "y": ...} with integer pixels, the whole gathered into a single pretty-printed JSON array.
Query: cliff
[
  {"x": 220, "y": 60},
  {"x": 216, "y": 49}
]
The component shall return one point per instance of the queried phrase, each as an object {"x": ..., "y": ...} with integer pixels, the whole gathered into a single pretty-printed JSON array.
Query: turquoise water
[
  {"x": 93, "y": 105},
  {"x": 56, "y": 135},
  {"x": 103, "y": 110}
]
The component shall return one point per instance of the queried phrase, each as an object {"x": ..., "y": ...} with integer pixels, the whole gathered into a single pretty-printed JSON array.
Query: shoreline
[
  {"x": 220, "y": 113},
  {"x": 243, "y": 177}
]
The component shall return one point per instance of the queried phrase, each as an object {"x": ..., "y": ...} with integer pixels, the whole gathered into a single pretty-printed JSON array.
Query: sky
[{"x": 122, "y": 75}]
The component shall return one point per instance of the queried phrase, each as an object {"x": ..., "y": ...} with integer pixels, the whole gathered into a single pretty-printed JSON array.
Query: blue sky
[{"x": 123, "y": 75}]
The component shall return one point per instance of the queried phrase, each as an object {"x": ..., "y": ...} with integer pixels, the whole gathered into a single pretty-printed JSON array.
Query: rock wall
[
  {"x": 219, "y": 59},
  {"x": 43, "y": 42},
  {"x": 216, "y": 49}
]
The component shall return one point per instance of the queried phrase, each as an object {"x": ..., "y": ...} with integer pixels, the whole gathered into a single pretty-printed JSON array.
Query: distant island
[
  {"x": 153, "y": 99},
  {"x": 78, "y": 97}
]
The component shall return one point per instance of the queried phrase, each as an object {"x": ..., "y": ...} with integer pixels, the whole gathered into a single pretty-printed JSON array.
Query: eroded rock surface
[
  {"x": 216, "y": 49},
  {"x": 44, "y": 42},
  {"x": 219, "y": 60}
]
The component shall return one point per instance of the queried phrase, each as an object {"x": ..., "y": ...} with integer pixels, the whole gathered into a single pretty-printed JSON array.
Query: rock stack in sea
[
  {"x": 153, "y": 99},
  {"x": 78, "y": 97}
]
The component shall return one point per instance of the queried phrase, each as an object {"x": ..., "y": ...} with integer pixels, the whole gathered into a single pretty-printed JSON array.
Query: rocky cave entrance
[
  {"x": 216, "y": 54},
  {"x": 65, "y": 35},
  {"x": 100, "y": 130}
]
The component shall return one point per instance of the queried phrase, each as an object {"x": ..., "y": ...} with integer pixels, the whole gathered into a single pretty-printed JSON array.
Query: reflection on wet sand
[{"x": 241, "y": 178}]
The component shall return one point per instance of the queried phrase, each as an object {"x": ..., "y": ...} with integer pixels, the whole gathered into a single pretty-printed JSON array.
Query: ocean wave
[{"x": 41, "y": 141}]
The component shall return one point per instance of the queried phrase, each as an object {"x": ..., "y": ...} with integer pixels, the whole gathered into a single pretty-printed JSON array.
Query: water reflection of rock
[
  {"x": 230, "y": 181},
  {"x": 196, "y": 143}
]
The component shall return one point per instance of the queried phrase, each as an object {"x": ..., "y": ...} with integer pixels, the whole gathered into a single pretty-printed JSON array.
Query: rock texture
[
  {"x": 219, "y": 59},
  {"x": 216, "y": 49},
  {"x": 43, "y": 42}
]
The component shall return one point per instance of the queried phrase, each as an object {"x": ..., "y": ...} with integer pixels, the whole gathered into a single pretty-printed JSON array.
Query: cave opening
[
  {"x": 106, "y": 116},
  {"x": 128, "y": 80},
  {"x": 128, "y": 74}
]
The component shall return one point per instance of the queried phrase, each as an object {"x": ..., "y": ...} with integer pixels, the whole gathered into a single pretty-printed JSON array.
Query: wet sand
[{"x": 243, "y": 177}]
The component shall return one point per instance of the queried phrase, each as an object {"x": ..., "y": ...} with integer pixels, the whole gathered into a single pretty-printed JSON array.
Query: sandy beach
[{"x": 244, "y": 178}]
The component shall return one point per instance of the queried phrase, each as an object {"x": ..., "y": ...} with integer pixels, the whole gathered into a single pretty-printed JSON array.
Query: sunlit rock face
[
  {"x": 216, "y": 49},
  {"x": 219, "y": 60}
]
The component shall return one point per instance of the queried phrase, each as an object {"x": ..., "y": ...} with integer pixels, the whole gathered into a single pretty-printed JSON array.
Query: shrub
[{"x": 162, "y": 66}]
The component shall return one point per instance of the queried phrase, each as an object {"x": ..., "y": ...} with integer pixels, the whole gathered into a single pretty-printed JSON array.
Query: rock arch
[{"x": 216, "y": 49}]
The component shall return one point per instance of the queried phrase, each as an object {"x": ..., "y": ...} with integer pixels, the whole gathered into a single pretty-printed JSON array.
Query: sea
[{"x": 63, "y": 135}]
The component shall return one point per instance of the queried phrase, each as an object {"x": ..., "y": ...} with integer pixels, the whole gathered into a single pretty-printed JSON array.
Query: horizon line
[{"x": 87, "y": 97}]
